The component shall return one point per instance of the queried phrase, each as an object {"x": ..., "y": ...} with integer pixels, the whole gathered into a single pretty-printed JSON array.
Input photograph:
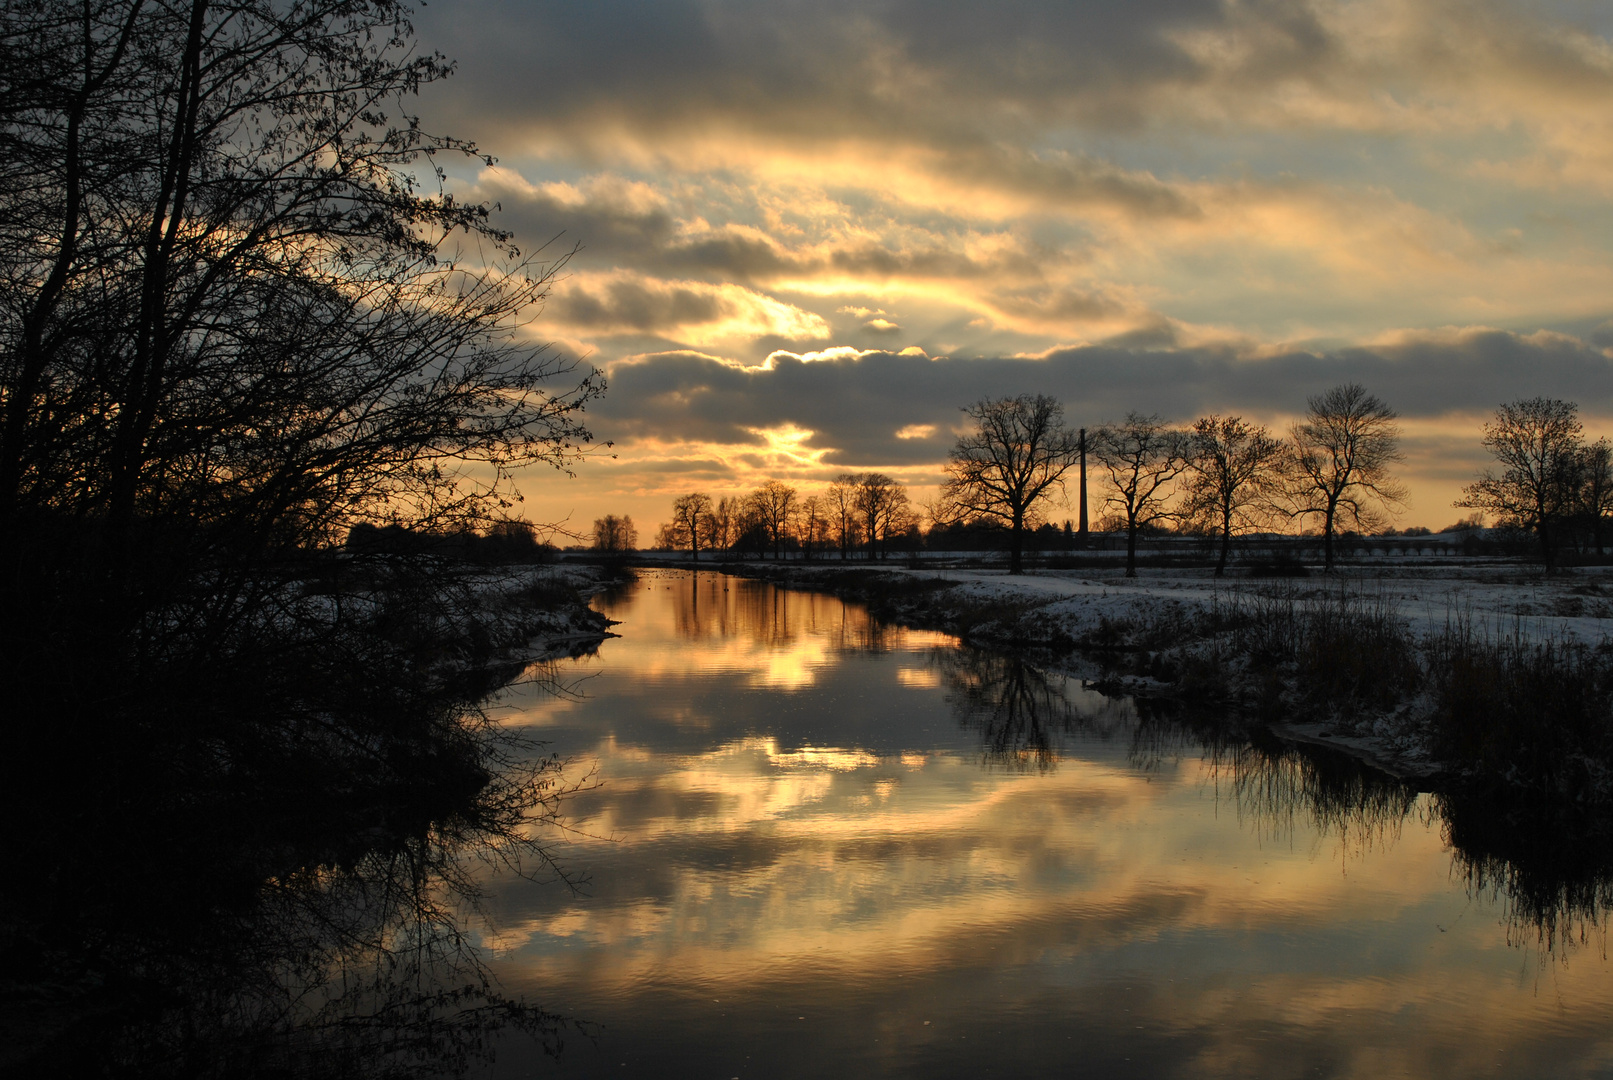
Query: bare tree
[
  {"x": 751, "y": 530},
  {"x": 1538, "y": 444},
  {"x": 843, "y": 513},
  {"x": 1342, "y": 453},
  {"x": 1596, "y": 488},
  {"x": 774, "y": 504},
  {"x": 231, "y": 309},
  {"x": 691, "y": 518},
  {"x": 884, "y": 507},
  {"x": 1142, "y": 458},
  {"x": 721, "y": 528},
  {"x": 814, "y": 520},
  {"x": 1013, "y": 460},
  {"x": 1234, "y": 472},
  {"x": 615, "y": 534}
]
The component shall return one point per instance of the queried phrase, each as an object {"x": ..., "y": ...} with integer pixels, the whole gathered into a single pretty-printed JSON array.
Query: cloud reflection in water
[{"x": 830, "y": 847}]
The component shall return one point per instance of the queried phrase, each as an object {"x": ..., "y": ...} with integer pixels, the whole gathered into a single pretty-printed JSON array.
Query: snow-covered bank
[
  {"x": 542, "y": 612},
  {"x": 1341, "y": 660}
]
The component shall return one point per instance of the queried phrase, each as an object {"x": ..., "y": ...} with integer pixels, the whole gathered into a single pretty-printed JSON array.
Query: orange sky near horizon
[{"x": 806, "y": 235}]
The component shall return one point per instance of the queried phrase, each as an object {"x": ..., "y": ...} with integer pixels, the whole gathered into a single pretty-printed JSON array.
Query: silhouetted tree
[
  {"x": 615, "y": 534},
  {"x": 723, "y": 516},
  {"x": 241, "y": 317},
  {"x": 1340, "y": 461},
  {"x": 814, "y": 523},
  {"x": 1234, "y": 473},
  {"x": 1538, "y": 445},
  {"x": 1142, "y": 458},
  {"x": 234, "y": 318},
  {"x": 1013, "y": 460},
  {"x": 843, "y": 513},
  {"x": 773, "y": 505},
  {"x": 884, "y": 507},
  {"x": 1596, "y": 488},
  {"x": 691, "y": 520}
]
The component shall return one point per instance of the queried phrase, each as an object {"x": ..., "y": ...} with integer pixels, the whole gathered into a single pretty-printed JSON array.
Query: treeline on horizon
[{"x": 1220, "y": 479}]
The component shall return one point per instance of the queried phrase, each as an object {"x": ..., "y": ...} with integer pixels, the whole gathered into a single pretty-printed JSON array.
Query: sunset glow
[
  {"x": 739, "y": 868},
  {"x": 1211, "y": 206}
]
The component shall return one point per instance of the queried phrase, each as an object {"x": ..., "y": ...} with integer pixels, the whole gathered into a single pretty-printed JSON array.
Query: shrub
[{"x": 1533, "y": 714}]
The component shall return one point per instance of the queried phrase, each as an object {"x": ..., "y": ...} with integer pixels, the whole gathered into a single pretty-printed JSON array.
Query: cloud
[
  {"x": 696, "y": 312},
  {"x": 1181, "y": 206},
  {"x": 958, "y": 74},
  {"x": 687, "y": 420},
  {"x": 869, "y": 408}
]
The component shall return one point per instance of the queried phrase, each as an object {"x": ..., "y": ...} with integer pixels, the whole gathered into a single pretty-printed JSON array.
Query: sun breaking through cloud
[{"x": 810, "y": 235}]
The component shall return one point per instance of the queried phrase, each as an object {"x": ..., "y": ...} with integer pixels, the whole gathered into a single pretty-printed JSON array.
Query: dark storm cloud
[
  {"x": 857, "y": 404},
  {"x": 605, "y": 225}
]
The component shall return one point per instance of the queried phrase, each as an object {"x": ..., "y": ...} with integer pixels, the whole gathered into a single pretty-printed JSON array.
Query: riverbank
[
  {"x": 543, "y": 612},
  {"x": 1377, "y": 662}
]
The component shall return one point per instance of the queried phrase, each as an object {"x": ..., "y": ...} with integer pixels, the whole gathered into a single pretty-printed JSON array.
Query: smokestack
[{"x": 1083, "y": 485}]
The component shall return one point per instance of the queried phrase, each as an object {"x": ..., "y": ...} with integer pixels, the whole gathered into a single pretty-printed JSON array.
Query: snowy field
[{"x": 1500, "y": 595}]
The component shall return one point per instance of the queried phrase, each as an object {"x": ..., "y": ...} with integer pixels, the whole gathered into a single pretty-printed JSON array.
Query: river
[{"x": 819, "y": 846}]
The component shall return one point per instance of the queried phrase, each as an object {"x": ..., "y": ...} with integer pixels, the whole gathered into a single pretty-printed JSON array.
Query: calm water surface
[{"x": 819, "y": 846}]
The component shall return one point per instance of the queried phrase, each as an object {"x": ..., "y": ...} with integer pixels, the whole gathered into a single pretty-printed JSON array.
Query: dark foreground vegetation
[
  {"x": 240, "y": 849},
  {"x": 240, "y": 320}
]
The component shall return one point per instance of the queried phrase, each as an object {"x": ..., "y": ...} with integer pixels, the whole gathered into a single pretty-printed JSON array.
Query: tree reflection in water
[
  {"x": 1550, "y": 868},
  {"x": 1022, "y": 711},
  {"x": 709, "y": 606},
  {"x": 285, "y": 896},
  {"x": 1277, "y": 787},
  {"x": 1551, "y": 871}
]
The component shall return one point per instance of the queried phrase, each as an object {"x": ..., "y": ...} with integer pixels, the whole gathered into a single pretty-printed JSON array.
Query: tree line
[
  {"x": 1224, "y": 476},
  {"x": 857, "y": 512},
  {"x": 1221, "y": 477}
]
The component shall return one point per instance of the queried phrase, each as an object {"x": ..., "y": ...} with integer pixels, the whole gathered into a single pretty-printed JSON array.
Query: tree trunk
[
  {"x": 1016, "y": 544},
  {"x": 1226, "y": 548},
  {"x": 1327, "y": 541},
  {"x": 1131, "y": 549}
]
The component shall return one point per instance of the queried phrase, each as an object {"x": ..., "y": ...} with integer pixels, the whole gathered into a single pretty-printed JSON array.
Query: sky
[{"x": 808, "y": 234}]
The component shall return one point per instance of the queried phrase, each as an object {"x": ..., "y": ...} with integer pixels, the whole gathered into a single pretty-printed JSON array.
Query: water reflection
[
  {"x": 286, "y": 896},
  {"x": 1281, "y": 792},
  {"x": 1023, "y": 712},
  {"x": 1551, "y": 871},
  {"x": 711, "y": 610},
  {"x": 814, "y": 874}
]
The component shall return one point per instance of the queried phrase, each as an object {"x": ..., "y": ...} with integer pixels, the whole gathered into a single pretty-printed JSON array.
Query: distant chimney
[{"x": 1083, "y": 483}]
